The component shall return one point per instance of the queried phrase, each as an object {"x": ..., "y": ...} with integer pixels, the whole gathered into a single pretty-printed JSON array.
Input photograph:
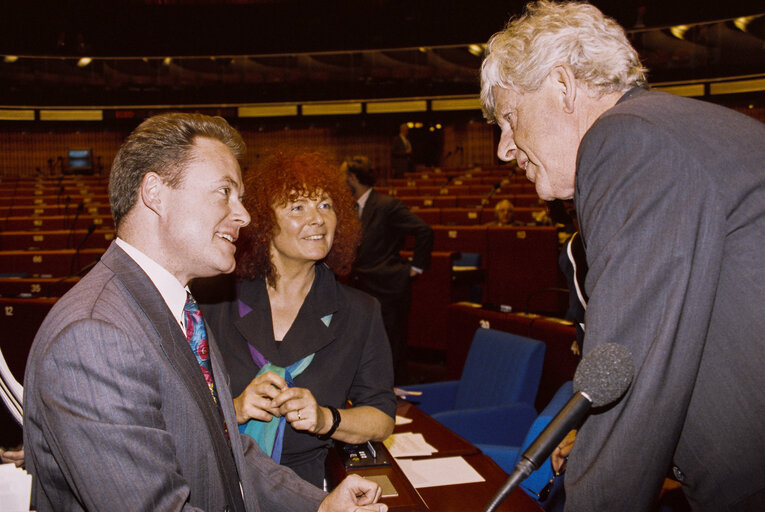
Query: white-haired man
[{"x": 670, "y": 196}]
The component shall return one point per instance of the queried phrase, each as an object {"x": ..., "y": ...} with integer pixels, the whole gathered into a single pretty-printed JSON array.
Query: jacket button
[{"x": 679, "y": 475}]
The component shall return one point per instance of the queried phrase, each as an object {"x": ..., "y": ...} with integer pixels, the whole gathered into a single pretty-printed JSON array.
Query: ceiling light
[
  {"x": 8, "y": 59},
  {"x": 743, "y": 22},
  {"x": 166, "y": 61},
  {"x": 476, "y": 49},
  {"x": 84, "y": 61},
  {"x": 679, "y": 31}
]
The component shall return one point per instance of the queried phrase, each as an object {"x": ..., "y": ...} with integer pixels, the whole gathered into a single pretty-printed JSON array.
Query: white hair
[{"x": 550, "y": 33}]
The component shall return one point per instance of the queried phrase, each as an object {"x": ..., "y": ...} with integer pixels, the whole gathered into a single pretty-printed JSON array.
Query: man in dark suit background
[
  {"x": 401, "y": 152},
  {"x": 670, "y": 197},
  {"x": 379, "y": 268},
  {"x": 121, "y": 412}
]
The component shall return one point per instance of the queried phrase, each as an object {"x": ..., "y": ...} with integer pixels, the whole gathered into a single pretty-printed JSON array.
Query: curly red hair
[{"x": 284, "y": 177}]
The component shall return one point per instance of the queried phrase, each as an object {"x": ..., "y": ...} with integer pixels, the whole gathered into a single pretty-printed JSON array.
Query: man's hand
[
  {"x": 13, "y": 456},
  {"x": 560, "y": 453},
  {"x": 354, "y": 494}
]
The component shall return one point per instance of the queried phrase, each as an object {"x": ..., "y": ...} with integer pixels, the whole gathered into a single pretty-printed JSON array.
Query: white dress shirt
[{"x": 172, "y": 291}]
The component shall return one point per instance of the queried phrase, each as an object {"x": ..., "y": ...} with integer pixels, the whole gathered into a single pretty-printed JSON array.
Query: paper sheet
[
  {"x": 435, "y": 472},
  {"x": 403, "y": 420},
  {"x": 408, "y": 444},
  {"x": 15, "y": 488}
]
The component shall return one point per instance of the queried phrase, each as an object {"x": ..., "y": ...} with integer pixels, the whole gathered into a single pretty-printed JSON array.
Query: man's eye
[{"x": 226, "y": 191}]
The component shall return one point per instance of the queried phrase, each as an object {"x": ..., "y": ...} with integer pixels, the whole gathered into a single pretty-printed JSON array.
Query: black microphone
[
  {"x": 601, "y": 378},
  {"x": 70, "y": 236},
  {"x": 76, "y": 256}
]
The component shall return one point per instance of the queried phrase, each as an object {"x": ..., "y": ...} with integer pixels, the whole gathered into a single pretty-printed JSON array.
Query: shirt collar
[
  {"x": 172, "y": 291},
  {"x": 362, "y": 201}
]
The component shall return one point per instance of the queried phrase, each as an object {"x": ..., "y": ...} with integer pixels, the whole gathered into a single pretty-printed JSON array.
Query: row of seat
[
  {"x": 470, "y": 216},
  {"x": 471, "y": 201},
  {"x": 35, "y": 240},
  {"x": 457, "y": 190},
  {"x": 518, "y": 261},
  {"x": 54, "y": 199},
  {"x": 461, "y": 179},
  {"x": 64, "y": 208},
  {"x": 56, "y": 222}
]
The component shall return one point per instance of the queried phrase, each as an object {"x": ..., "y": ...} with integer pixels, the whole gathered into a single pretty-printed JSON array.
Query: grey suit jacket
[
  {"x": 118, "y": 416},
  {"x": 670, "y": 194}
]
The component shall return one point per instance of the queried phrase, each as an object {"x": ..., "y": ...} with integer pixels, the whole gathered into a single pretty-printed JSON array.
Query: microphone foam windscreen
[{"x": 605, "y": 373}]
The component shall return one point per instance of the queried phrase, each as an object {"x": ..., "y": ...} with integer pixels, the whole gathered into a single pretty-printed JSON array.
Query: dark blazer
[
  {"x": 400, "y": 156},
  {"x": 118, "y": 416},
  {"x": 352, "y": 357},
  {"x": 670, "y": 194},
  {"x": 386, "y": 222}
]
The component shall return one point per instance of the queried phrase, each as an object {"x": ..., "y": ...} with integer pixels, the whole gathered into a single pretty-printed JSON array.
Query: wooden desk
[
  {"x": 449, "y": 498},
  {"x": 444, "y": 440}
]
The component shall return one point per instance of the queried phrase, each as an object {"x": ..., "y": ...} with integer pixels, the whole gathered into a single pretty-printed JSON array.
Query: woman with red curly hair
[{"x": 298, "y": 344}]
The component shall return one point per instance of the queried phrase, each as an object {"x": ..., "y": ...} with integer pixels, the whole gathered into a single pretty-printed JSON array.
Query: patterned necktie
[{"x": 197, "y": 336}]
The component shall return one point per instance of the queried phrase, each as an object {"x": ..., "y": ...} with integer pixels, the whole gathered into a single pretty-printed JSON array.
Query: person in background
[
  {"x": 298, "y": 344},
  {"x": 379, "y": 268},
  {"x": 126, "y": 399},
  {"x": 503, "y": 213},
  {"x": 401, "y": 153},
  {"x": 670, "y": 198}
]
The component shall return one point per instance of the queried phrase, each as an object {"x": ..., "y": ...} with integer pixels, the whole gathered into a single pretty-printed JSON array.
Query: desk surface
[{"x": 450, "y": 498}]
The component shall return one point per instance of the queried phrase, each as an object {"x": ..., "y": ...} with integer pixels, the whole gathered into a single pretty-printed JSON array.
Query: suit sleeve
[
  {"x": 278, "y": 488},
  {"x": 100, "y": 412},
  {"x": 402, "y": 220},
  {"x": 653, "y": 234}
]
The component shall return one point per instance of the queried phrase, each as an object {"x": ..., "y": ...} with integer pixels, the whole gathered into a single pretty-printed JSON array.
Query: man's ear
[
  {"x": 562, "y": 77},
  {"x": 151, "y": 191}
]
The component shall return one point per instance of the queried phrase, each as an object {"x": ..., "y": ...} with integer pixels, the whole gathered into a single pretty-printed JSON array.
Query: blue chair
[
  {"x": 493, "y": 402},
  {"x": 507, "y": 457}
]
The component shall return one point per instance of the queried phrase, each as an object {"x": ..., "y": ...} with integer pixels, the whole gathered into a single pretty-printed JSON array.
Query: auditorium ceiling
[{"x": 165, "y": 52}]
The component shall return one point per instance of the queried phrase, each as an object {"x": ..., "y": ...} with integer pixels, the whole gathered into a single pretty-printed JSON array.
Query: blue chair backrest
[{"x": 501, "y": 368}]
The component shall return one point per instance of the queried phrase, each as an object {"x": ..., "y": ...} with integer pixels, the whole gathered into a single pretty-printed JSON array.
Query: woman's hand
[
  {"x": 299, "y": 407},
  {"x": 257, "y": 399}
]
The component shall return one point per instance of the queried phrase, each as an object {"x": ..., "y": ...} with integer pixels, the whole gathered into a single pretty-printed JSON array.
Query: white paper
[
  {"x": 403, "y": 420},
  {"x": 408, "y": 444},
  {"x": 436, "y": 472},
  {"x": 15, "y": 488}
]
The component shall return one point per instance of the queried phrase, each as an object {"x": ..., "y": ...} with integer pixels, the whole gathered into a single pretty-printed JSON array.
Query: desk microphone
[
  {"x": 601, "y": 378},
  {"x": 76, "y": 256},
  {"x": 70, "y": 236}
]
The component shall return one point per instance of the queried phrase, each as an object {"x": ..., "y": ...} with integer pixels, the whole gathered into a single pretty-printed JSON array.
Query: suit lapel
[
  {"x": 307, "y": 334},
  {"x": 229, "y": 414},
  {"x": 176, "y": 348}
]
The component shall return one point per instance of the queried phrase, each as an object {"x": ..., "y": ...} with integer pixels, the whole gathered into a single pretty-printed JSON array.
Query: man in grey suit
[
  {"x": 670, "y": 196},
  {"x": 119, "y": 413}
]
